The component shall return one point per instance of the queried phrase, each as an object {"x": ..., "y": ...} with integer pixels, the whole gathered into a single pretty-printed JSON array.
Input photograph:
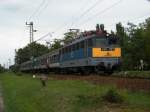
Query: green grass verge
[{"x": 25, "y": 94}]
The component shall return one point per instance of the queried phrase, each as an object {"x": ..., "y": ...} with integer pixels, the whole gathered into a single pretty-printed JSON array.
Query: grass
[{"x": 25, "y": 94}]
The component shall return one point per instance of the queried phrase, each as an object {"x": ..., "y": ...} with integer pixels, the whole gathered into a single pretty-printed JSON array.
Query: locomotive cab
[{"x": 106, "y": 53}]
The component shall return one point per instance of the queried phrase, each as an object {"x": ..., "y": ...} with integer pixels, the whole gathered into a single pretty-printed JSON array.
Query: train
[{"x": 94, "y": 51}]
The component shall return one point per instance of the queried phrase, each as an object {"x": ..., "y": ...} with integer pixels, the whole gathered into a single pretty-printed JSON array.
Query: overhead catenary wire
[
  {"x": 101, "y": 12},
  {"x": 48, "y": 34},
  {"x": 88, "y": 10},
  {"x": 37, "y": 9},
  {"x": 82, "y": 15},
  {"x": 66, "y": 22},
  {"x": 97, "y": 14},
  {"x": 132, "y": 19},
  {"x": 43, "y": 8}
]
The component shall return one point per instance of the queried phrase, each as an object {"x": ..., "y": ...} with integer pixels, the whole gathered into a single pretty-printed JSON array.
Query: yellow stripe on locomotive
[{"x": 106, "y": 52}]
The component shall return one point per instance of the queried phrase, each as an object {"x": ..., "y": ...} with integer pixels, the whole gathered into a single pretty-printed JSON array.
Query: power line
[
  {"x": 66, "y": 23},
  {"x": 101, "y": 12},
  {"x": 48, "y": 34},
  {"x": 37, "y": 9},
  {"x": 83, "y": 14},
  {"x": 43, "y": 8},
  {"x": 89, "y": 9}
]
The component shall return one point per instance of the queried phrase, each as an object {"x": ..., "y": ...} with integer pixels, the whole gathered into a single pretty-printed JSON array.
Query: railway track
[{"x": 134, "y": 84}]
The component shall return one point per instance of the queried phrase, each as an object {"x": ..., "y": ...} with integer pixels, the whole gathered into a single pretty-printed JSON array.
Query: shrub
[{"x": 113, "y": 96}]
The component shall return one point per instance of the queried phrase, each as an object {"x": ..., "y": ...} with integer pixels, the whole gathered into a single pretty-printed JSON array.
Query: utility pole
[{"x": 30, "y": 24}]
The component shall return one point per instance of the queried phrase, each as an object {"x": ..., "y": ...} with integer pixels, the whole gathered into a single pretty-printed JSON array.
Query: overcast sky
[{"x": 59, "y": 15}]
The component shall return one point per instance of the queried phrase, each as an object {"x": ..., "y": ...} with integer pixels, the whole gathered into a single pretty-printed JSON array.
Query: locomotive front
[{"x": 106, "y": 53}]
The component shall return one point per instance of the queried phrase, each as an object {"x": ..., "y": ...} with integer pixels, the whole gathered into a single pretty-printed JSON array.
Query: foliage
[
  {"x": 2, "y": 69},
  {"x": 35, "y": 49},
  {"x": 135, "y": 43},
  {"x": 30, "y": 51},
  {"x": 69, "y": 36},
  {"x": 113, "y": 96},
  {"x": 56, "y": 44}
]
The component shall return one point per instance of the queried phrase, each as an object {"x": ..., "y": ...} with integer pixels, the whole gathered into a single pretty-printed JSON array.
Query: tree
[
  {"x": 56, "y": 44},
  {"x": 2, "y": 69},
  {"x": 30, "y": 51},
  {"x": 69, "y": 36},
  {"x": 135, "y": 43},
  {"x": 120, "y": 32}
]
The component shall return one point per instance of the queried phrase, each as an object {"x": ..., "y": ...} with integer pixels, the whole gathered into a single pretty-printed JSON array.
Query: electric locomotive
[
  {"x": 90, "y": 52},
  {"x": 93, "y": 51}
]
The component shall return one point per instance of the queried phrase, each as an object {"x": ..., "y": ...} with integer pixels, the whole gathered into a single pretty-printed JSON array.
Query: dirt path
[{"x": 1, "y": 100}]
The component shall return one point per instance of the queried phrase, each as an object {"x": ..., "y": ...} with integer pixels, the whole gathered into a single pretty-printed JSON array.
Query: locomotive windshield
[
  {"x": 105, "y": 41},
  {"x": 101, "y": 42}
]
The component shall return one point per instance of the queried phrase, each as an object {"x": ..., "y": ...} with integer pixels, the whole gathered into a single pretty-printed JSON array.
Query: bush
[
  {"x": 113, "y": 96},
  {"x": 2, "y": 69}
]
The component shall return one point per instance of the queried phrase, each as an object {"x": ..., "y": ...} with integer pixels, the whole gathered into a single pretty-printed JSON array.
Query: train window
[
  {"x": 65, "y": 50},
  {"x": 69, "y": 49},
  {"x": 90, "y": 42},
  {"x": 62, "y": 51},
  {"x": 78, "y": 46},
  {"x": 101, "y": 42},
  {"x": 82, "y": 44},
  {"x": 73, "y": 47}
]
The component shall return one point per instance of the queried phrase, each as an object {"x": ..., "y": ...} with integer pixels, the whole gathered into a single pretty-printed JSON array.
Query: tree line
[{"x": 134, "y": 41}]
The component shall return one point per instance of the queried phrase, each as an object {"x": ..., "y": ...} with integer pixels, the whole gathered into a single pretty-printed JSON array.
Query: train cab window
[{"x": 101, "y": 42}]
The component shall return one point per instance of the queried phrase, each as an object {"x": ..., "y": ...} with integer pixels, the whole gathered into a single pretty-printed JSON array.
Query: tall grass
[{"x": 25, "y": 94}]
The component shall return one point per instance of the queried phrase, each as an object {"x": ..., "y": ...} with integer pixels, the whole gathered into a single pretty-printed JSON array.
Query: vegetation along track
[{"x": 119, "y": 82}]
